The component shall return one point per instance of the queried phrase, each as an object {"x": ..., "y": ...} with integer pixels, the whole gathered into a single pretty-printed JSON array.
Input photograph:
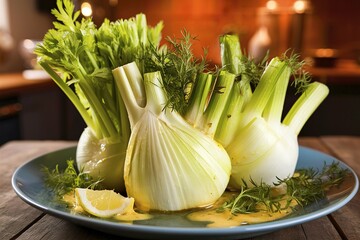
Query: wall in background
[
  {"x": 330, "y": 23},
  {"x": 205, "y": 19},
  {"x": 25, "y": 21},
  {"x": 334, "y": 24},
  {"x": 4, "y": 19}
]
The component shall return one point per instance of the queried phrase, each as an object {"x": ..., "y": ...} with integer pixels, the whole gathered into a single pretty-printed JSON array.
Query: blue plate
[{"x": 28, "y": 183}]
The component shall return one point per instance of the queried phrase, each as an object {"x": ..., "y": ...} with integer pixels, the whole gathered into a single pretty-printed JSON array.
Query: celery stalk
[
  {"x": 231, "y": 115},
  {"x": 264, "y": 90},
  {"x": 216, "y": 106},
  {"x": 69, "y": 93},
  {"x": 199, "y": 98},
  {"x": 274, "y": 109},
  {"x": 208, "y": 102},
  {"x": 230, "y": 53}
]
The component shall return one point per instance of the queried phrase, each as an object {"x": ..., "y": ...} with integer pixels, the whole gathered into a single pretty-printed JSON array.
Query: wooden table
[
  {"x": 14, "y": 84},
  {"x": 19, "y": 220}
]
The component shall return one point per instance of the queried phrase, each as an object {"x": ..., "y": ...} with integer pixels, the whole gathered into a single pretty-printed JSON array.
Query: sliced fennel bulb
[{"x": 169, "y": 164}]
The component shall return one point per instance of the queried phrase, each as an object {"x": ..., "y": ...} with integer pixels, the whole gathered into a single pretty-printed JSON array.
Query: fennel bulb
[
  {"x": 102, "y": 159},
  {"x": 261, "y": 143},
  {"x": 169, "y": 165},
  {"x": 265, "y": 148},
  {"x": 262, "y": 152}
]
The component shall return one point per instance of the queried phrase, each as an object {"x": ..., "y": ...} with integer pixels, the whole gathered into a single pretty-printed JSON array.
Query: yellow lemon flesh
[{"x": 103, "y": 203}]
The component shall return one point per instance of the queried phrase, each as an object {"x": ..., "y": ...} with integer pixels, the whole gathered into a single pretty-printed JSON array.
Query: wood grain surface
[{"x": 19, "y": 220}]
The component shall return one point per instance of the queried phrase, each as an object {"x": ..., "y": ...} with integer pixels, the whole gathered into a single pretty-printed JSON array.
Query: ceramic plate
[{"x": 28, "y": 183}]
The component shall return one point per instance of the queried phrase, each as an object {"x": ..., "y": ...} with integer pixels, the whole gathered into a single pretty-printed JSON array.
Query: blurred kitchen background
[{"x": 325, "y": 32}]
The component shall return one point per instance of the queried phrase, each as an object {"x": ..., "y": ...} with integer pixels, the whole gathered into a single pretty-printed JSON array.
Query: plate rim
[{"x": 166, "y": 231}]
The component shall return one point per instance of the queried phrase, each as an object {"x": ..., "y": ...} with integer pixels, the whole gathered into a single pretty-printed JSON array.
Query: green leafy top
[
  {"x": 178, "y": 67},
  {"x": 301, "y": 77},
  {"x": 80, "y": 57},
  {"x": 65, "y": 14}
]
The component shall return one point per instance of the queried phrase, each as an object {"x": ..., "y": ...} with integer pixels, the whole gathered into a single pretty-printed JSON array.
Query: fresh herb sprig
[
  {"x": 301, "y": 78},
  {"x": 64, "y": 181},
  {"x": 305, "y": 187},
  {"x": 179, "y": 68}
]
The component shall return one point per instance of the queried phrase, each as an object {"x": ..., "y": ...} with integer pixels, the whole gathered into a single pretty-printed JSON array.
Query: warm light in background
[
  {"x": 325, "y": 52},
  {"x": 86, "y": 9},
  {"x": 29, "y": 44},
  {"x": 271, "y": 5},
  {"x": 300, "y": 6}
]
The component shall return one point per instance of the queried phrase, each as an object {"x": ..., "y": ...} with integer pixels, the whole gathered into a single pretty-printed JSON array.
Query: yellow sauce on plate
[
  {"x": 210, "y": 215},
  {"x": 227, "y": 219}
]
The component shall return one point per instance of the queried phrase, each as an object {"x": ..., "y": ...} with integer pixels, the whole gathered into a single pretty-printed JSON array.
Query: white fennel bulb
[
  {"x": 169, "y": 165},
  {"x": 103, "y": 159},
  {"x": 262, "y": 153},
  {"x": 264, "y": 147}
]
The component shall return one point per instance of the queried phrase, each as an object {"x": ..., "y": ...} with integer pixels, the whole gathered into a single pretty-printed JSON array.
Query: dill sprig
[
  {"x": 301, "y": 78},
  {"x": 64, "y": 181},
  {"x": 250, "y": 70},
  {"x": 305, "y": 187},
  {"x": 250, "y": 199},
  {"x": 179, "y": 69}
]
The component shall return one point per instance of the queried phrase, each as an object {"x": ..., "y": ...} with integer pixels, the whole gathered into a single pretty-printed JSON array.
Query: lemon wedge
[{"x": 103, "y": 203}]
